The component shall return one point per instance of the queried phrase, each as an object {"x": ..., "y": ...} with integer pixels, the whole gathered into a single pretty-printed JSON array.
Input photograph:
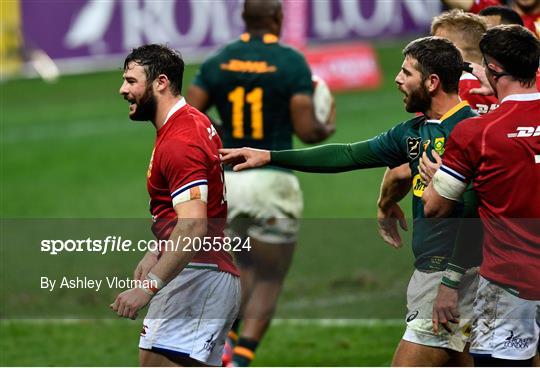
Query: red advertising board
[{"x": 345, "y": 66}]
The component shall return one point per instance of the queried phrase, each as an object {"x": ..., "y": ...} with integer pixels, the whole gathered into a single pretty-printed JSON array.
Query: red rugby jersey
[
  {"x": 532, "y": 22},
  {"x": 479, "y": 103},
  {"x": 500, "y": 153},
  {"x": 479, "y": 5},
  {"x": 185, "y": 157}
]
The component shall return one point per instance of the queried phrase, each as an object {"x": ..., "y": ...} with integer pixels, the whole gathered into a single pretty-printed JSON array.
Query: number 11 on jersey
[{"x": 238, "y": 98}]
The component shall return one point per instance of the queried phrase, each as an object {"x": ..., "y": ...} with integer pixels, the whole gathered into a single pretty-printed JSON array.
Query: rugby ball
[{"x": 322, "y": 99}]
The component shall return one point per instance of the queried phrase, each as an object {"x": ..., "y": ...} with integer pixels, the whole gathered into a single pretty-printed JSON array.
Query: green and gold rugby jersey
[
  {"x": 433, "y": 239},
  {"x": 251, "y": 82}
]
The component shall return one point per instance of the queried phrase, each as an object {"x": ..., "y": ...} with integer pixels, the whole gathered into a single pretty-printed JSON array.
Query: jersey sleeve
[
  {"x": 459, "y": 162},
  {"x": 185, "y": 167},
  {"x": 299, "y": 75},
  {"x": 389, "y": 146},
  {"x": 328, "y": 158}
]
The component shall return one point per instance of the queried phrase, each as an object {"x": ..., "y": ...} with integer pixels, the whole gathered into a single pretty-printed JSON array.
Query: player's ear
[
  {"x": 161, "y": 83},
  {"x": 433, "y": 82}
]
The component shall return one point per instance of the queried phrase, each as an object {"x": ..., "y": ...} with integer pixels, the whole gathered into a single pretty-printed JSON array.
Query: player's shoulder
[
  {"x": 471, "y": 126},
  {"x": 290, "y": 51},
  {"x": 414, "y": 122},
  {"x": 187, "y": 125},
  {"x": 410, "y": 127},
  {"x": 224, "y": 52}
]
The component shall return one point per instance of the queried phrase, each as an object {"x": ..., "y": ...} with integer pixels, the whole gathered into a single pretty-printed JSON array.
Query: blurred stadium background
[{"x": 70, "y": 152}]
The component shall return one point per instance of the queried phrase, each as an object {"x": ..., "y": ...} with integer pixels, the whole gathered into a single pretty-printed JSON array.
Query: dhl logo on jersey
[
  {"x": 523, "y": 132},
  {"x": 243, "y": 66},
  {"x": 418, "y": 186}
]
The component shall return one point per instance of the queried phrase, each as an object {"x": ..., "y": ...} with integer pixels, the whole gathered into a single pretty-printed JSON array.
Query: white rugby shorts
[
  {"x": 504, "y": 325},
  {"x": 264, "y": 204},
  {"x": 192, "y": 315},
  {"x": 421, "y": 294}
]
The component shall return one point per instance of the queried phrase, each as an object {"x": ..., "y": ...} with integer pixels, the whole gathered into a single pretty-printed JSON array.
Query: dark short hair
[
  {"x": 508, "y": 16},
  {"x": 159, "y": 59},
  {"x": 436, "y": 55},
  {"x": 515, "y": 48}
]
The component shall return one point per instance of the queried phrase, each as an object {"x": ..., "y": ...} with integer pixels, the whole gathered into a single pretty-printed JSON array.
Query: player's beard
[
  {"x": 146, "y": 106},
  {"x": 419, "y": 100}
]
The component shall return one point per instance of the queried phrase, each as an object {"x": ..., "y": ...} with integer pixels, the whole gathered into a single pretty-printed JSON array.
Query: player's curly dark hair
[
  {"x": 159, "y": 59},
  {"x": 436, "y": 55},
  {"x": 516, "y": 50}
]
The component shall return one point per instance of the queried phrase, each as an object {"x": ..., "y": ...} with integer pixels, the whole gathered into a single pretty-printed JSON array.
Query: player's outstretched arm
[
  {"x": 329, "y": 158},
  {"x": 244, "y": 158}
]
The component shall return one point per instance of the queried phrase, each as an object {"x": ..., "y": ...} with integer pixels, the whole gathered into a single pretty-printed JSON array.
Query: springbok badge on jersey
[
  {"x": 438, "y": 145},
  {"x": 413, "y": 147}
]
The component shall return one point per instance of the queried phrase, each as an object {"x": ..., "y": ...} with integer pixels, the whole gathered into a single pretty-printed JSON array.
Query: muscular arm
[
  {"x": 305, "y": 125},
  {"x": 467, "y": 253},
  {"x": 468, "y": 245},
  {"x": 436, "y": 205},
  {"x": 394, "y": 187},
  {"x": 192, "y": 223},
  {"x": 198, "y": 98}
]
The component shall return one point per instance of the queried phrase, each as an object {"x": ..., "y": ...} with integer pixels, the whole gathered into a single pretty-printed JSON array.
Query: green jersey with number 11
[{"x": 251, "y": 82}]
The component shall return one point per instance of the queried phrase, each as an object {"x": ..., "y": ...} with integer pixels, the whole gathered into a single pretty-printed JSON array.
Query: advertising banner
[{"x": 96, "y": 29}]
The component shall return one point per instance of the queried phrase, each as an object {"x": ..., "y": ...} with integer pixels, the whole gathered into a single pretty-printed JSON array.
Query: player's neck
[
  {"x": 164, "y": 105},
  {"x": 513, "y": 88},
  {"x": 260, "y": 32},
  {"x": 441, "y": 104}
]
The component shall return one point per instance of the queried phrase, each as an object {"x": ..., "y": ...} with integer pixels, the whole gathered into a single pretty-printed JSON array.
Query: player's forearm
[
  {"x": 467, "y": 251},
  {"x": 395, "y": 185},
  {"x": 173, "y": 261},
  {"x": 330, "y": 158},
  {"x": 468, "y": 245}
]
